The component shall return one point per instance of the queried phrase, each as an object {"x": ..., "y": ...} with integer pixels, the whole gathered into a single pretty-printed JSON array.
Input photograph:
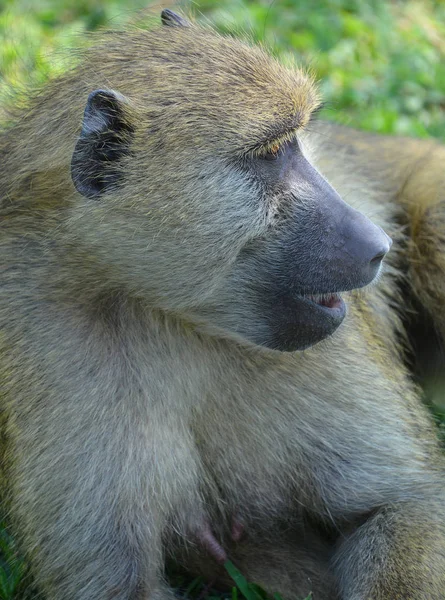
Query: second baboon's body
[{"x": 135, "y": 423}]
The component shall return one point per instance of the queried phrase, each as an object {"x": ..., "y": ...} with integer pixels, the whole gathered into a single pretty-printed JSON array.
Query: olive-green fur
[{"x": 129, "y": 422}]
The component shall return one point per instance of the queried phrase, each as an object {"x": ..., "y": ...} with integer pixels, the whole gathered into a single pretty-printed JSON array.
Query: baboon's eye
[{"x": 272, "y": 153}]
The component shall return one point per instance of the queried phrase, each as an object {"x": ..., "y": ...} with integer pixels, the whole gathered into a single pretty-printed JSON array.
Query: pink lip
[{"x": 326, "y": 300}]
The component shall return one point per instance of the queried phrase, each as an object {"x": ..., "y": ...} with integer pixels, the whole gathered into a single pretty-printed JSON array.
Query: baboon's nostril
[
  {"x": 383, "y": 250},
  {"x": 378, "y": 257}
]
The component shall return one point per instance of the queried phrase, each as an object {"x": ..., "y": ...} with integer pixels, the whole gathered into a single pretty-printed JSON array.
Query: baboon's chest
[{"x": 308, "y": 440}]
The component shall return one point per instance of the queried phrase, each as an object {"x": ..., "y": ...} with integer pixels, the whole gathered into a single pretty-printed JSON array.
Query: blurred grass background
[
  {"x": 381, "y": 66},
  {"x": 381, "y": 63}
]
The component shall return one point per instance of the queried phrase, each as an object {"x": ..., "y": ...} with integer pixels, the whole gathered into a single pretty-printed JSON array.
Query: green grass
[
  {"x": 12, "y": 569},
  {"x": 197, "y": 589},
  {"x": 13, "y": 573},
  {"x": 381, "y": 67}
]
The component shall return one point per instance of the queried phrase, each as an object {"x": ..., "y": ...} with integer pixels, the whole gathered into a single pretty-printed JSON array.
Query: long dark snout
[
  {"x": 332, "y": 246},
  {"x": 322, "y": 247},
  {"x": 358, "y": 243}
]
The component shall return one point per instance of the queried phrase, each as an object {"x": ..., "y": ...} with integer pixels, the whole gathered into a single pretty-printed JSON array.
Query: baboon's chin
[{"x": 301, "y": 322}]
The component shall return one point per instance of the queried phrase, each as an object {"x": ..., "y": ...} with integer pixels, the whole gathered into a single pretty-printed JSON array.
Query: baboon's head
[{"x": 197, "y": 193}]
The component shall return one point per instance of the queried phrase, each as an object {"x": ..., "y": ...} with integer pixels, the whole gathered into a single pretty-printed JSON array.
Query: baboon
[{"x": 188, "y": 371}]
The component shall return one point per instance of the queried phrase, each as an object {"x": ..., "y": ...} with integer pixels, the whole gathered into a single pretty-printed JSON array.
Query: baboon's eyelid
[{"x": 271, "y": 146}]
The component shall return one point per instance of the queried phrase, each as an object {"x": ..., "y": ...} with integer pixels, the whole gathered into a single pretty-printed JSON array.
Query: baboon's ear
[
  {"x": 104, "y": 139},
  {"x": 171, "y": 19}
]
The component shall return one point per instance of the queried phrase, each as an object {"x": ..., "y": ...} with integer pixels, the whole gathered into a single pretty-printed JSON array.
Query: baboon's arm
[
  {"x": 99, "y": 467},
  {"x": 422, "y": 198},
  {"x": 397, "y": 554}
]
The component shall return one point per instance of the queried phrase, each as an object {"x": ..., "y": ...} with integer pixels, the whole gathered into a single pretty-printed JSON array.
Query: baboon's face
[
  {"x": 214, "y": 210},
  {"x": 314, "y": 247}
]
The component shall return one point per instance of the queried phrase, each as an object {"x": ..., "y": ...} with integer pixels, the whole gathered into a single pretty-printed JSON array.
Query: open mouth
[
  {"x": 300, "y": 321},
  {"x": 331, "y": 302}
]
